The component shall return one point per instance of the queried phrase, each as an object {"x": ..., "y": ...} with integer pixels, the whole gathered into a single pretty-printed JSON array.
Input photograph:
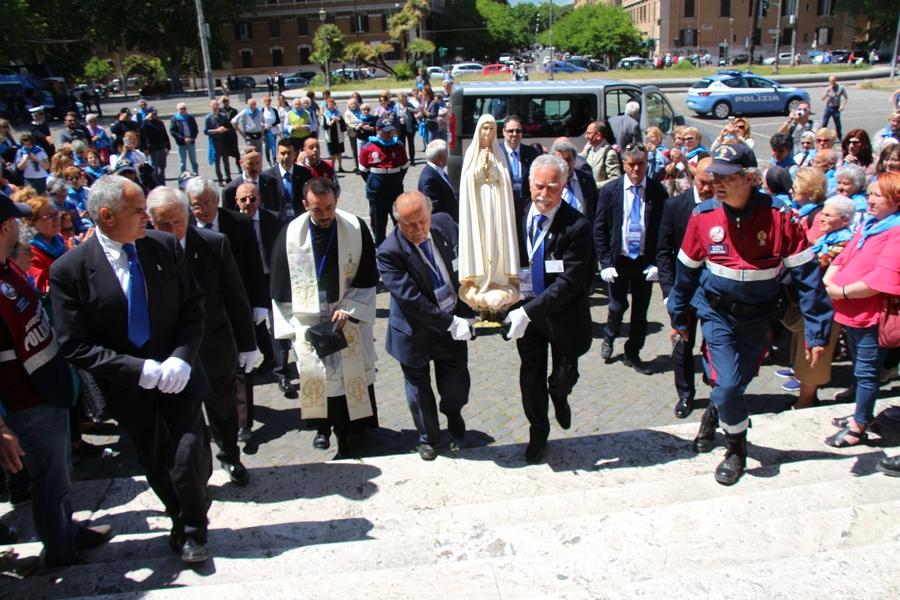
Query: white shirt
[
  {"x": 270, "y": 115},
  {"x": 33, "y": 169},
  {"x": 117, "y": 258},
  {"x": 215, "y": 223},
  {"x": 439, "y": 261},
  {"x": 578, "y": 193},
  {"x": 697, "y": 198},
  {"x": 529, "y": 224},
  {"x": 628, "y": 197}
]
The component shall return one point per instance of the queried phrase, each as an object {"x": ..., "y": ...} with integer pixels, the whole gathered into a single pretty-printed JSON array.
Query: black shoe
[
  {"x": 86, "y": 449},
  {"x": 237, "y": 473},
  {"x": 684, "y": 408},
  {"x": 91, "y": 537},
  {"x": 18, "y": 568},
  {"x": 427, "y": 451},
  {"x": 890, "y": 466},
  {"x": 245, "y": 434},
  {"x": 176, "y": 538},
  {"x": 193, "y": 551},
  {"x": 606, "y": 350},
  {"x": 321, "y": 442},
  {"x": 265, "y": 366},
  {"x": 563, "y": 413},
  {"x": 456, "y": 425},
  {"x": 20, "y": 497},
  {"x": 730, "y": 470},
  {"x": 706, "y": 435},
  {"x": 534, "y": 453},
  {"x": 345, "y": 449},
  {"x": 635, "y": 362},
  {"x": 287, "y": 388}
]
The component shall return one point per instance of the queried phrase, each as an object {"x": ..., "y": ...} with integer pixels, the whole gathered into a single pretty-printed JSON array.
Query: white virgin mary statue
[{"x": 488, "y": 244}]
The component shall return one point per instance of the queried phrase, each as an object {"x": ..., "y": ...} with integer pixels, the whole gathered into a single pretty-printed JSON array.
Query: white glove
[
  {"x": 609, "y": 274},
  {"x": 651, "y": 273},
  {"x": 259, "y": 314},
  {"x": 150, "y": 373},
  {"x": 175, "y": 375},
  {"x": 246, "y": 360},
  {"x": 666, "y": 302},
  {"x": 459, "y": 329},
  {"x": 518, "y": 322}
]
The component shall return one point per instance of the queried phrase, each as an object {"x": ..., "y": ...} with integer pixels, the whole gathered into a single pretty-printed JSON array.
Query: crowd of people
[{"x": 127, "y": 299}]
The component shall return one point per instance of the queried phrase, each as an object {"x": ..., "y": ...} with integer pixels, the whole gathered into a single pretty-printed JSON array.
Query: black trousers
[
  {"x": 451, "y": 373},
  {"x": 631, "y": 279},
  {"x": 222, "y": 160},
  {"x": 243, "y": 392},
  {"x": 222, "y": 412},
  {"x": 168, "y": 433},
  {"x": 379, "y": 213},
  {"x": 537, "y": 389},
  {"x": 683, "y": 360}
]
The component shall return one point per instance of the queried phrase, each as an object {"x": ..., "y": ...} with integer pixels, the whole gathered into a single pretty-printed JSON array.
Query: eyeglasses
[
  {"x": 247, "y": 198},
  {"x": 853, "y": 142},
  {"x": 513, "y": 131},
  {"x": 822, "y": 140},
  {"x": 50, "y": 217}
]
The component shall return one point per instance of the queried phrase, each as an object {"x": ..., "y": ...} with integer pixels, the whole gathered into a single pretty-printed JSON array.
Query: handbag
[
  {"x": 326, "y": 338},
  {"x": 889, "y": 322}
]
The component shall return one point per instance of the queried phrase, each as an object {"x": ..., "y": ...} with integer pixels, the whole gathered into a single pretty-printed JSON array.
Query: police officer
[
  {"x": 744, "y": 239},
  {"x": 382, "y": 163}
]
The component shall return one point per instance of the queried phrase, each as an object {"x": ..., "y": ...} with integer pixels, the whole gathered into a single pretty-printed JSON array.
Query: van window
[
  {"x": 499, "y": 107},
  {"x": 616, "y": 99},
  {"x": 551, "y": 115},
  {"x": 659, "y": 113}
]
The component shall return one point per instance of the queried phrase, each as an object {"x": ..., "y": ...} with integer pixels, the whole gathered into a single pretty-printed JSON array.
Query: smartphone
[{"x": 731, "y": 120}]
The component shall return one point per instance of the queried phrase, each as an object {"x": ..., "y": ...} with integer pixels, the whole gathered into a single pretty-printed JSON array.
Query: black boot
[
  {"x": 730, "y": 470},
  {"x": 706, "y": 435}
]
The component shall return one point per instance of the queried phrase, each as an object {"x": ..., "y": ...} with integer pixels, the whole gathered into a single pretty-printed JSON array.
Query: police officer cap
[
  {"x": 10, "y": 209},
  {"x": 729, "y": 159},
  {"x": 37, "y": 109},
  {"x": 385, "y": 123},
  {"x": 124, "y": 166}
]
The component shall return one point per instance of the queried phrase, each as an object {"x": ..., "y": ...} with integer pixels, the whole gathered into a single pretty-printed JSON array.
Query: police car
[{"x": 742, "y": 92}]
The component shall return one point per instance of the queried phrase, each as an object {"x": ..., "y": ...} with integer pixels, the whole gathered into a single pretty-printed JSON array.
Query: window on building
[
  {"x": 243, "y": 31},
  {"x": 724, "y": 8},
  {"x": 687, "y": 37},
  {"x": 277, "y": 57},
  {"x": 274, "y": 28},
  {"x": 384, "y": 18},
  {"x": 688, "y": 8},
  {"x": 302, "y": 26},
  {"x": 825, "y": 8},
  {"x": 304, "y": 55},
  {"x": 359, "y": 23},
  {"x": 246, "y": 59},
  {"x": 757, "y": 36}
]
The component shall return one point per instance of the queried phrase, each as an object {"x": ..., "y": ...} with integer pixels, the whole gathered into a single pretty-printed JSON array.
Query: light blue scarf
[
  {"x": 873, "y": 226},
  {"x": 825, "y": 242}
]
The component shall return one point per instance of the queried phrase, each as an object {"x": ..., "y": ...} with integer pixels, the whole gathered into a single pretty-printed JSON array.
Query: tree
[
  {"x": 486, "y": 28},
  {"x": 362, "y": 53},
  {"x": 148, "y": 69},
  {"x": 98, "y": 70},
  {"x": 598, "y": 30},
  {"x": 328, "y": 45},
  {"x": 875, "y": 17},
  {"x": 419, "y": 48}
]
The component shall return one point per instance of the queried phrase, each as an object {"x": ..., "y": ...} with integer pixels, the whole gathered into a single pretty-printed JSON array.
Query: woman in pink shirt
[{"x": 855, "y": 281}]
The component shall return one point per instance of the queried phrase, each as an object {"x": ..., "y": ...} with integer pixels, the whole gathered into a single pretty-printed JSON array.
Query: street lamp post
[
  {"x": 550, "y": 38},
  {"x": 203, "y": 30},
  {"x": 792, "y": 19},
  {"x": 322, "y": 17},
  {"x": 730, "y": 40}
]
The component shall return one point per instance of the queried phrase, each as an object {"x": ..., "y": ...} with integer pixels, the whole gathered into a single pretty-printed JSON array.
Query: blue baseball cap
[
  {"x": 729, "y": 159},
  {"x": 386, "y": 123},
  {"x": 10, "y": 209}
]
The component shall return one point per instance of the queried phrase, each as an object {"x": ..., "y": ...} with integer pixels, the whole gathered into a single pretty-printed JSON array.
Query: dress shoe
[
  {"x": 427, "y": 451},
  {"x": 321, "y": 442},
  {"x": 287, "y": 388},
  {"x": 563, "y": 413},
  {"x": 91, "y": 537},
  {"x": 245, "y": 434},
  {"x": 193, "y": 551},
  {"x": 534, "y": 453},
  {"x": 684, "y": 408},
  {"x": 237, "y": 473},
  {"x": 636, "y": 363},
  {"x": 456, "y": 425},
  {"x": 18, "y": 568},
  {"x": 890, "y": 466},
  {"x": 606, "y": 350}
]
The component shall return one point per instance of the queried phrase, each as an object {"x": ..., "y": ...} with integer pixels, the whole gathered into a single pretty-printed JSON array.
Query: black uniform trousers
[
  {"x": 451, "y": 373},
  {"x": 631, "y": 279},
  {"x": 167, "y": 431},
  {"x": 222, "y": 412},
  {"x": 683, "y": 360},
  {"x": 243, "y": 391},
  {"x": 536, "y": 387}
]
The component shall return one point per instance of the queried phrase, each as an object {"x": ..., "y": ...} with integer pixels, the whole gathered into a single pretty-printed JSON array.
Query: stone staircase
[{"x": 625, "y": 515}]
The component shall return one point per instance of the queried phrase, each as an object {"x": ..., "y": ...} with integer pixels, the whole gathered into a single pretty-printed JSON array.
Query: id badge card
[
  {"x": 323, "y": 305},
  {"x": 526, "y": 287},
  {"x": 446, "y": 301},
  {"x": 553, "y": 266}
]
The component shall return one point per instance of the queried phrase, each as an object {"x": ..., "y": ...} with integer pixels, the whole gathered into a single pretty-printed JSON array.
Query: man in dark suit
[
  {"x": 251, "y": 167},
  {"x": 555, "y": 240},
  {"x": 228, "y": 338},
  {"x": 434, "y": 182},
  {"x": 580, "y": 192},
  {"x": 266, "y": 227},
  {"x": 519, "y": 157},
  {"x": 626, "y": 128},
  {"x": 290, "y": 178},
  {"x": 204, "y": 200},
  {"x": 128, "y": 311},
  {"x": 428, "y": 320},
  {"x": 676, "y": 214},
  {"x": 626, "y": 230}
]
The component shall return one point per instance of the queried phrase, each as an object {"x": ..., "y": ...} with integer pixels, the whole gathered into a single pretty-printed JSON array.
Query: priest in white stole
[{"x": 323, "y": 269}]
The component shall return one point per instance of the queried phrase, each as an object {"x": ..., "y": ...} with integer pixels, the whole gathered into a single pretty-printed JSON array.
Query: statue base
[{"x": 491, "y": 323}]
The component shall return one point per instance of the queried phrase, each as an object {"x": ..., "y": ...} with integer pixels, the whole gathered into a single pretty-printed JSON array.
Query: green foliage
[
  {"x": 598, "y": 30},
  {"x": 146, "y": 68},
  {"x": 368, "y": 55},
  {"x": 683, "y": 65},
  {"x": 328, "y": 44},
  {"x": 880, "y": 16},
  {"x": 419, "y": 47},
  {"x": 98, "y": 69},
  {"x": 404, "y": 72},
  {"x": 486, "y": 28}
]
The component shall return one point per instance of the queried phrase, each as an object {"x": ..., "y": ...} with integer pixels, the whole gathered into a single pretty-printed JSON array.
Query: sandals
[
  {"x": 841, "y": 422},
  {"x": 846, "y": 438}
]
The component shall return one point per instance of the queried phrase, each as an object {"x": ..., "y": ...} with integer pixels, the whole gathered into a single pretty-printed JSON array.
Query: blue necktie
[
  {"x": 138, "y": 315},
  {"x": 537, "y": 258},
  {"x": 288, "y": 188},
  {"x": 635, "y": 226},
  {"x": 515, "y": 166},
  {"x": 569, "y": 193},
  {"x": 436, "y": 276}
]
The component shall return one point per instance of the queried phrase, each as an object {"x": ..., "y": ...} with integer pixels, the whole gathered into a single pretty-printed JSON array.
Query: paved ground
[{"x": 608, "y": 398}]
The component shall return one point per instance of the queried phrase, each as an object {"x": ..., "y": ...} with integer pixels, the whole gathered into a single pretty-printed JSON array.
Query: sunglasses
[
  {"x": 51, "y": 217},
  {"x": 513, "y": 131},
  {"x": 247, "y": 198},
  {"x": 853, "y": 142},
  {"x": 822, "y": 140}
]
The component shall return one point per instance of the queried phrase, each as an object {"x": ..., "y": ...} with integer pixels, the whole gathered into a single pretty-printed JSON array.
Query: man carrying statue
[{"x": 323, "y": 279}]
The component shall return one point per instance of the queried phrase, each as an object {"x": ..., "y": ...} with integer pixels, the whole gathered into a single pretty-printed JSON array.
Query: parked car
[
  {"x": 307, "y": 75},
  {"x": 466, "y": 69},
  {"x": 157, "y": 88},
  {"x": 784, "y": 58},
  {"x": 436, "y": 72},
  {"x": 495, "y": 69},
  {"x": 634, "y": 62},
  {"x": 587, "y": 63},
  {"x": 349, "y": 74},
  {"x": 241, "y": 82},
  {"x": 741, "y": 92},
  {"x": 562, "y": 66},
  {"x": 292, "y": 83}
]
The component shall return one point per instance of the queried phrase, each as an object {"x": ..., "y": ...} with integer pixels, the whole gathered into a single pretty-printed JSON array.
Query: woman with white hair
[
  {"x": 808, "y": 149},
  {"x": 851, "y": 182}
]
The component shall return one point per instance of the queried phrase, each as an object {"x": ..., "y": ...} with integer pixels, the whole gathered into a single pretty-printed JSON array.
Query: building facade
[{"x": 723, "y": 27}]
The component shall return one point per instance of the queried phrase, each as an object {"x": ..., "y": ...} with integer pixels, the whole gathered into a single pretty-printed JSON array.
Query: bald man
[
  {"x": 251, "y": 172},
  {"x": 676, "y": 214}
]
